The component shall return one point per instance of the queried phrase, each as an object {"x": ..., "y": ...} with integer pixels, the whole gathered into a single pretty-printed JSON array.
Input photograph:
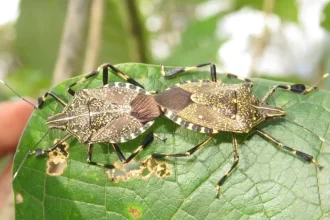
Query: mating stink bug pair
[{"x": 119, "y": 112}]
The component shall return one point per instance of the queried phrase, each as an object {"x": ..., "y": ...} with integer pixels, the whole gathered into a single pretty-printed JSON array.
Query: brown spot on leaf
[{"x": 134, "y": 212}]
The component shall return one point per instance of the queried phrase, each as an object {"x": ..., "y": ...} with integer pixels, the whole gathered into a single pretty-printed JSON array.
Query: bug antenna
[
  {"x": 309, "y": 89},
  {"x": 34, "y": 106},
  {"x": 306, "y": 129},
  {"x": 29, "y": 153},
  {"x": 19, "y": 168}
]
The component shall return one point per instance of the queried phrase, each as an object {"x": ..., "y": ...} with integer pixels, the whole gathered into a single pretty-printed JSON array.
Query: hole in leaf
[
  {"x": 57, "y": 159},
  {"x": 138, "y": 169}
]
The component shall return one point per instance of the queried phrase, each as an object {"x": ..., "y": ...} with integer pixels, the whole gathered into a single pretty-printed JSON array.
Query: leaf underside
[{"x": 267, "y": 183}]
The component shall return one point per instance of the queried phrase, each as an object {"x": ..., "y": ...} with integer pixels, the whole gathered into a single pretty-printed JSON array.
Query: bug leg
[
  {"x": 302, "y": 155},
  {"x": 104, "y": 69},
  {"x": 298, "y": 88},
  {"x": 92, "y": 74},
  {"x": 39, "y": 151},
  {"x": 89, "y": 159},
  {"x": 236, "y": 159},
  {"x": 41, "y": 100},
  {"x": 106, "y": 66},
  {"x": 148, "y": 139},
  {"x": 187, "y": 153},
  {"x": 230, "y": 75},
  {"x": 177, "y": 71}
]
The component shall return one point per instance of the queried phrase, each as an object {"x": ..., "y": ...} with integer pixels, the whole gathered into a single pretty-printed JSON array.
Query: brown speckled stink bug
[
  {"x": 115, "y": 113},
  {"x": 211, "y": 107}
]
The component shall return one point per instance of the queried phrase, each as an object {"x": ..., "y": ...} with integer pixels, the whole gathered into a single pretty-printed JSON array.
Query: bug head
[
  {"x": 59, "y": 121},
  {"x": 269, "y": 111}
]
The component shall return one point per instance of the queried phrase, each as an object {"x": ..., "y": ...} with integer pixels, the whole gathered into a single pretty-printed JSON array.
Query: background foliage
[{"x": 173, "y": 33}]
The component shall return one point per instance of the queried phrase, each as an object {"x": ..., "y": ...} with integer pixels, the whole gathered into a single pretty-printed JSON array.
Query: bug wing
[
  {"x": 118, "y": 130},
  {"x": 174, "y": 99},
  {"x": 93, "y": 112},
  {"x": 211, "y": 116},
  {"x": 223, "y": 107},
  {"x": 206, "y": 104},
  {"x": 111, "y": 115}
]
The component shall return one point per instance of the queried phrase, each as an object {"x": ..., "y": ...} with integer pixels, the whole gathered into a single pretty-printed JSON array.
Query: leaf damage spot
[
  {"x": 140, "y": 170},
  {"x": 123, "y": 172},
  {"x": 159, "y": 168},
  {"x": 57, "y": 159},
  {"x": 134, "y": 212},
  {"x": 19, "y": 198}
]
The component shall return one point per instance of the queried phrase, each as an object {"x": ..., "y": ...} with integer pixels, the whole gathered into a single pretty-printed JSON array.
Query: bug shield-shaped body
[
  {"x": 116, "y": 113},
  {"x": 209, "y": 107}
]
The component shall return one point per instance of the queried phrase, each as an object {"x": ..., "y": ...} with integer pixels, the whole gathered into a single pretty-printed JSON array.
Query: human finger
[{"x": 13, "y": 118}]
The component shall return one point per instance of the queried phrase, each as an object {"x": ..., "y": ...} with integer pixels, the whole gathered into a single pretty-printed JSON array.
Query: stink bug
[
  {"x": 211, "y": 107},
  {"x": 115, "y": 113}
]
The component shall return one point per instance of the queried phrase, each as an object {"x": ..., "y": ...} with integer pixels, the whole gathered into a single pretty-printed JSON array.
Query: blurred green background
[{"x": 281, "y": 39}]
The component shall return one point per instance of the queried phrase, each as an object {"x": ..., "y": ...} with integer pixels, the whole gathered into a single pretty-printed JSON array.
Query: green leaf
[
  {"x": 285, "y": 9},
  {"x": 268, "y": 183},
  {"x": 326, "y": 19}
]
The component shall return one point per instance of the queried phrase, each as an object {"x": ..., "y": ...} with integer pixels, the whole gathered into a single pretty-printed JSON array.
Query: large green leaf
[{"x": 268, "y": 183}]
